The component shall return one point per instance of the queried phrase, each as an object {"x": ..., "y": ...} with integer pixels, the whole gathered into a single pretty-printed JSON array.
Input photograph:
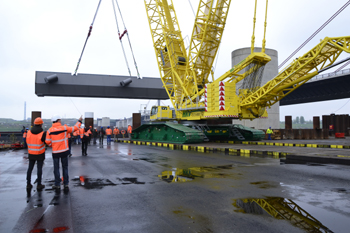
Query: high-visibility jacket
[
  {"x": 108, "y": 132},
  {"x": 84, "y": 133},
  {"x": 87, "y": 133},
  {"x": 69, "y": 135},
  {"x": 269, "y": 131},
  {"x": 81, "y": 132},
  {"x": 57, "y": 136},
  {"x": 129, "y": 129},
  {"x": 34, "y": 143},
  {"x": 116, "y": 131},
  {"x": 25, "y": 134},
  {"x": 75, "y": 133}
]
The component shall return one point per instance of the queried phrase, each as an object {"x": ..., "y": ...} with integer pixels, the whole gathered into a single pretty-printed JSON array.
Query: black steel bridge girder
[{"x": 321, "y": 90}]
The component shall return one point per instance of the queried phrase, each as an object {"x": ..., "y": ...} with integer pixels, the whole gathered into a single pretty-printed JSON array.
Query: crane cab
[{"x": 161, "y": 113}]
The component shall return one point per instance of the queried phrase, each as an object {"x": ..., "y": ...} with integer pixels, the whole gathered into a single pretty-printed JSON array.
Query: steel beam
[
  {"x": 101, "y": 86},
  {"x": 320, "y": 90}
]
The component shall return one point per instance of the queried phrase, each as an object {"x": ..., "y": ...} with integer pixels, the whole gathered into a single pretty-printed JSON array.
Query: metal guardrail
[{"x": 330, "y": 75}]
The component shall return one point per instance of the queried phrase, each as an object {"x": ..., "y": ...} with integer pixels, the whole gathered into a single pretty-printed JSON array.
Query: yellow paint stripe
[{"x": 343, "y": 156}]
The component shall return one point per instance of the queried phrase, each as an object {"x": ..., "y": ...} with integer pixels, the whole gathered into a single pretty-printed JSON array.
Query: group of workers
[
  {"x": 99, "y": 134},
  {"x": 59, "y": 137}
]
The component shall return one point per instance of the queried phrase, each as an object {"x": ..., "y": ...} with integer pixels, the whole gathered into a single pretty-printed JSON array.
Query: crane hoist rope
[
  {"x": 120, "y": 38},
  {"x": 314, "y": 34},
  {"x": 89, "y": 33},
  {"x": 125, "y": 32}
]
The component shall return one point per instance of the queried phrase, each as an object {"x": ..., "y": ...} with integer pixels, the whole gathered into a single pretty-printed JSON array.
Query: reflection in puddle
[
  {"x": 91, "y": 183},
  {"x": 188, "y": 174},
  {"x": 281, "y": 208}
]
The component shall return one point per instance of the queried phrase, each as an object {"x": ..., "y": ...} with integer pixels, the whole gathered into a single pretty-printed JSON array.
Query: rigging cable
[
  {"x": 120, "y": 38},
  {"x": 343, "y": 66},
  {"x": 192, "y": 8},
  {"x": 314, "y": 34},
  {"x": 89, "y": 33},
  {"x": 342, "y": 106},
  {"x": 127, "y": 34}
]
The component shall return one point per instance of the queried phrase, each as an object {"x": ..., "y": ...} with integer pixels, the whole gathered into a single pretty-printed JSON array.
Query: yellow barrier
[
  {"x": 343, "y": 156},
  {"x": 245, "y": 151}
]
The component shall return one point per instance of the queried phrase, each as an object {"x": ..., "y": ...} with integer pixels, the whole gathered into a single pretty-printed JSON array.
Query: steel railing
[{"x": 331, "y": 75}]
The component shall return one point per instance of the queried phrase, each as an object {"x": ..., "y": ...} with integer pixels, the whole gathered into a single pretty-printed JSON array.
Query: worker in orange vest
[
  {"x": 95, "y": 135},
  {"x": 84, "y": 135},
  {"x": 57, "y": 138},
  {"x": 70, "y": 139},
  {"x": 36, "y": 152},
  {"x": 101, "y": 133},
  {"x": 116, "y": 132},
  {"x": 109, "y": 134},
  {"x": 25, "y": 137},
  {"x": 75, "y": 135},
  {"x": 129, "y": 130},
  {"x": 90, "y": 136},
  {"x": 79, "y": 137}
]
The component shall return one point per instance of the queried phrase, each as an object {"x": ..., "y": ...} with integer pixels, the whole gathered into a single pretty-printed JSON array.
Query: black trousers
[
  {"x": 39, "y": 166},
  {"x": 101, "y": 139},
  {"x": 84, "y": 146}
]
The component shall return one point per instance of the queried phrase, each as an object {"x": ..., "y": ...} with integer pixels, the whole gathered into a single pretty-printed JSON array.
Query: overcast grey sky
[{"x": 42, "y": 35}]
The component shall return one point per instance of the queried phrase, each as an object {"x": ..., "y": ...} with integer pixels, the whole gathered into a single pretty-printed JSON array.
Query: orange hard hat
[{"x": 38, "y": 121}]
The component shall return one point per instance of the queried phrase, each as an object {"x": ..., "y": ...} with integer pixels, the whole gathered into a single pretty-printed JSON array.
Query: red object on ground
[
  {"x": 339, "y": 135},
  {"x": 17, "y": 146}
]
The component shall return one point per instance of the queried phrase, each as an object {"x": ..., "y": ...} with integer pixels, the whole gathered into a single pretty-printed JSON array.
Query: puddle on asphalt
[
  {"x": 266, "y": 184},
  {"x": 92, "y": 183},
  {"x": 280, "y": 208},
  {"x": 39, "y": 230},
  {"x": 300, "y": 162},
  {"x": 339, "y": 190},
  {"x": 189, "y": 174},
  {"x": 130, "y": 181}
]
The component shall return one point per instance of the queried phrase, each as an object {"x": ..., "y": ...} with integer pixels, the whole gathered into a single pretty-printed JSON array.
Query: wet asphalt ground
[{"x": 136, "y": 188}]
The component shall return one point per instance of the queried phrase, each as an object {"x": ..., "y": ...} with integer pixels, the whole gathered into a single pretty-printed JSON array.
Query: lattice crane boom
[{"x": 298, "y": 72}]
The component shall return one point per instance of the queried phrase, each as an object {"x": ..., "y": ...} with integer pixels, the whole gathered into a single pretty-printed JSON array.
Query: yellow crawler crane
[{"x": 195, "y": 98}]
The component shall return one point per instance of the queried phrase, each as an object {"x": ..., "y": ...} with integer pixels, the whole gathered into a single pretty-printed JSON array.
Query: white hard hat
[
  {"x": 55, "y": 118},
  {"x": 82, "y": 126}
]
